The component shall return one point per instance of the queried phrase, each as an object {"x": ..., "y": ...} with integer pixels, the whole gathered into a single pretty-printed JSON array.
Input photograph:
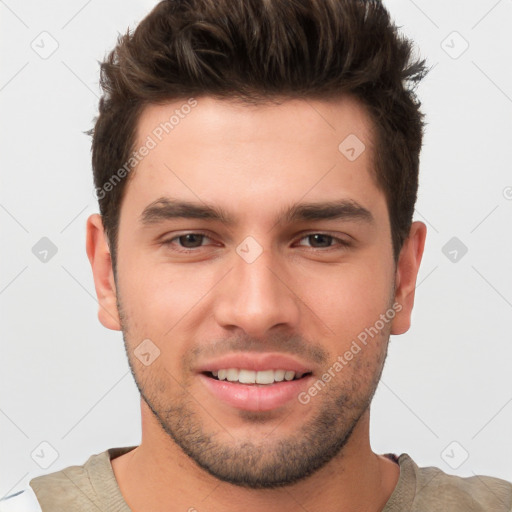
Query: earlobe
[
  {"x": 406, "y": 274},
  {"x": 99, "y": 256}
]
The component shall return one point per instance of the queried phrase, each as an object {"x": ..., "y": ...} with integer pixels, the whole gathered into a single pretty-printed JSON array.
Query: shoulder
[
  {"x": 437, "y": 490},
  {"x": 71, "y": 476},
  {"x": 77, "y": 487},
  {"x": 22, "y": 501}
]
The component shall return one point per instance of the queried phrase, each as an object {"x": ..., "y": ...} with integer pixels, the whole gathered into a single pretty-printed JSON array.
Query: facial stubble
[{"x": 272, "y": 461}]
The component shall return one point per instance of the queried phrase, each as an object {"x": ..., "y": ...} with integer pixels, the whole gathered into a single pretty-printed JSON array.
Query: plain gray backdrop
[{"x": 66, "y": 391}]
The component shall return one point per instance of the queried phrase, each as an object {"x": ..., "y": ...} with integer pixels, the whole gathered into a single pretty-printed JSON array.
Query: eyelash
[{"x": 341, "y": 243}]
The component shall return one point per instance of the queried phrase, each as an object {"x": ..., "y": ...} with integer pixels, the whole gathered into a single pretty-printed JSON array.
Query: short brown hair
[{"x": 255, "y": 51}]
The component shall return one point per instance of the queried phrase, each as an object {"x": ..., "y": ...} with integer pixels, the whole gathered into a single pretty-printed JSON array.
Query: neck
[{"x": 158, "y": 472}]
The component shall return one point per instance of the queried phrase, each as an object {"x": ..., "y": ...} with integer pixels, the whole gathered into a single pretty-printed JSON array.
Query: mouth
[
  {"x": 253, "y": 377},
  {"x": 255, "y": 382}
]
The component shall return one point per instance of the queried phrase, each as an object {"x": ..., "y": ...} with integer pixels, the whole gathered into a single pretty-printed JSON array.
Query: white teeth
[
  {"x": 265, "y": 377},
  {"x": 247, "y": 376},
  {"x": 254, "y": 377},
  {"x": 232, "y": 374},
  {"x": 279, "y": 375},
  {"x": 289, "y": 375}
]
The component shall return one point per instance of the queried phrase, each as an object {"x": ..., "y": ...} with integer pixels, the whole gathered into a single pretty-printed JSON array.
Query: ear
[
  {"x": 406, "y": 274},
  {"x": 99, "y": 256}
]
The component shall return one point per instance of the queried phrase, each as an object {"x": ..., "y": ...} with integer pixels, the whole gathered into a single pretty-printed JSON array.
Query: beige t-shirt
[{"x": 93, "y": 487}]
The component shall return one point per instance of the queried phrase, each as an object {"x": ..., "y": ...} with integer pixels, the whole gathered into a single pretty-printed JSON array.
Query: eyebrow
[{"x": 166, "y": 208}]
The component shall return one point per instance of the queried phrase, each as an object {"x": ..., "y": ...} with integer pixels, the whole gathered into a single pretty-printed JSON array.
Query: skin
[{"x": 314, "y": 296}]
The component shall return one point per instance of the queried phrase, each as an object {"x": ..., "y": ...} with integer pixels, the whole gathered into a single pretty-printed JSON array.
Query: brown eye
[
  {"x": 191, "y": 240},
  {"x": 186, "y": 242},
  {"x": 321, "y": 239}
]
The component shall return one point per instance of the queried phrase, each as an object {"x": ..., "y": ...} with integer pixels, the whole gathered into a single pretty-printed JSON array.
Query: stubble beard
[{"x": 272, "y": 461}]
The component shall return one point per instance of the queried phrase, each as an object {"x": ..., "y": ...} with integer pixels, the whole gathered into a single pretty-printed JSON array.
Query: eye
[
  {"x": 324, "y": 240},
  {"x": 192, "y": 242},
  {"x": 187, "y": 241}
]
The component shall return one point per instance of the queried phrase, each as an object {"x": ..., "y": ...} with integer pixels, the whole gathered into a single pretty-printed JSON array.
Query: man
[{"x": 256, "y": 166}]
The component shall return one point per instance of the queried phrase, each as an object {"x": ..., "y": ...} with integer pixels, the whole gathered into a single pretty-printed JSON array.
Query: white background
[{"x": 64, "y": 377}]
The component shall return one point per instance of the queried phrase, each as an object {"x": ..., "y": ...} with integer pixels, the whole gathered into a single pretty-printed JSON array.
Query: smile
[{"x": 244, "y": 376}]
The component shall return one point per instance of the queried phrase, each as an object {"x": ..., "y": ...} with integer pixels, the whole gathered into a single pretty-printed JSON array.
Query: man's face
[{"x": 265, "y": 292}]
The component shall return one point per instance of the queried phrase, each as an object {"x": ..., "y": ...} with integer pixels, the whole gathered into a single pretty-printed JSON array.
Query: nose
[{"x": 257, "y": 296}]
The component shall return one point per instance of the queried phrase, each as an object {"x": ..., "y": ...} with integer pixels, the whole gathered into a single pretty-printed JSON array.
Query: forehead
[{"x": 254, "y": 159}]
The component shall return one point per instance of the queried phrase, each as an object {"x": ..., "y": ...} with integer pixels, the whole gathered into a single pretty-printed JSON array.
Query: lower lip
[{"x": 256, "y": 397}]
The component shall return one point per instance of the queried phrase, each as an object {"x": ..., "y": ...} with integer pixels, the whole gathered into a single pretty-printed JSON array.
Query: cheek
[
  {"x": 160, "y": 301},
  {"x": 348, "y": 298}
]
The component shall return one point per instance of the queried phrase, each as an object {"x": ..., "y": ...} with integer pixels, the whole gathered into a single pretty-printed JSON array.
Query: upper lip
[{"x": 255, "y": 362}]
